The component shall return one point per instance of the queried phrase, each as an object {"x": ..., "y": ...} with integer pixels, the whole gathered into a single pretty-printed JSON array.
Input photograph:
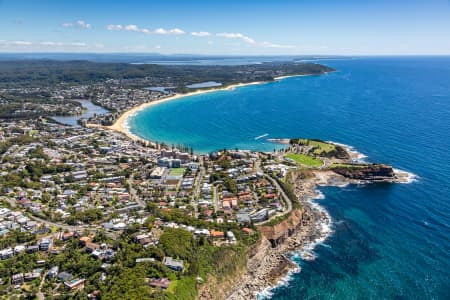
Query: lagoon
[
  {"x": 90, "y": 109},
  {"x": 206, "y": 84}
]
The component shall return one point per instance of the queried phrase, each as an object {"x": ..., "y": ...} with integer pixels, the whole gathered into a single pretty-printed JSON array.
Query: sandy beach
[{"x": 288, "y": 76}]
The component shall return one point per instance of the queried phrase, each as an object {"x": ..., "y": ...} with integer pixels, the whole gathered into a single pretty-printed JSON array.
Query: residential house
[
  {"x": 174, "y": 264},
  {"x": 162, "y": 283}
]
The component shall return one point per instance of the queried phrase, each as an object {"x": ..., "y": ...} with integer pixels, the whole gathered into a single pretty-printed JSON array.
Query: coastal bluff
[
  {"x": 277, "y": 234},
  {"x": 366, "y": 172},
  {"x": 266, "y": 260}
]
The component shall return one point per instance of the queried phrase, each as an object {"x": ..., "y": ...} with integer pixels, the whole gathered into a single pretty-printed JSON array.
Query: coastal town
[
  {"x": 77, "y": 189},
  {"x": 224, "y": 150},
  {"x": 93, "y": 212}
]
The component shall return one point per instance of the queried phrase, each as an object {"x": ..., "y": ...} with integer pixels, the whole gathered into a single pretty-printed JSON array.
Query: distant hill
[{"x": 26, "y": 73}]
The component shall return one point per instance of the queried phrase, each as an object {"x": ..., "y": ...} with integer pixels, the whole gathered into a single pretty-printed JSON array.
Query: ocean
[{"x": 389, "y": 241}]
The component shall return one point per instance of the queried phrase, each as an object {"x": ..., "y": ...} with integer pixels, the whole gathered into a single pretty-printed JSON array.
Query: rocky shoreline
[{"x": 270, "y": 263}]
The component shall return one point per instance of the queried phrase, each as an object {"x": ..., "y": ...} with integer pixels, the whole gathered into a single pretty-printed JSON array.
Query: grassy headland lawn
[
  {"x": 322, "y": 147},
  {"x": 177, "y": 172},
  {"x": 319, "y": 147},
  {"x": 304, "y": 159}
]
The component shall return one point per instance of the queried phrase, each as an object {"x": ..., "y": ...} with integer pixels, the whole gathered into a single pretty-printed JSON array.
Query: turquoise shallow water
[{"x": 389, "y": 241}]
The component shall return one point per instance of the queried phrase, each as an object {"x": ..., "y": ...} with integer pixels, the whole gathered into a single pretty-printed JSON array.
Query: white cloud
[
  {"x": 61, "y": 44},
  {"x": 271, "y": 45},
  {"x": 51, "y": 44},
  {"x": 114, "y": 27},
  {"x": 135, "y": 28},
  {"x": 176, "y": 31},
  {"x": 131, "y": 28},
  {"x": 47, "y": 45},
  {"x": 160, "y": 31},
  {"x": 232, "y": 35},
  {"x": 83, "y": 24},
  {"x": 250, "y": 41},
  {"x": 200, "y": 33},
  {"x": 78, "y": 44},
  {"x": 79, "y": 24},
  {"x": 21, "y": 43},
  {"x": 15, "y": 43}
]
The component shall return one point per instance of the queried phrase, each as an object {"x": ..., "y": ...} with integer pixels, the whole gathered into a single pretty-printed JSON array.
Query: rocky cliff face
[
  {"x": 370, "y": 172},
  {"x": 266, "y": 260},
  {"x": 277, "y": 234}
]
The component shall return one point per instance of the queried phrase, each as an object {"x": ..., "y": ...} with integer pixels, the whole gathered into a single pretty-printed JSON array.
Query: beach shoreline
[{"x": 121, "y": 124}]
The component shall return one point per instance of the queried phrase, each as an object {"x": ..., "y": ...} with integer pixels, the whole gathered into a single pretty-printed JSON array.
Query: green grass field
[
  {"x": 304, "y": 160},
  {"x": 177, "y": 172}
]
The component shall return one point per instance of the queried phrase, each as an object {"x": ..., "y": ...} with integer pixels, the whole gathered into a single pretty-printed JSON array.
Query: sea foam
[{"x": 406, "y": 177}]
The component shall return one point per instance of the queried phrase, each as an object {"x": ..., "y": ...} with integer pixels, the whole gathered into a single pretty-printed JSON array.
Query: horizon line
[{"x": 224, "y": 55}]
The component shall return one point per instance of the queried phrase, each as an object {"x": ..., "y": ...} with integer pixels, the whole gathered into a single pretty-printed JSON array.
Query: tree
[{"x": 177, "y": 243}]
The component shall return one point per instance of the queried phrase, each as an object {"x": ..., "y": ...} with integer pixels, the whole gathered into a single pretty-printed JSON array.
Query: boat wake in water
[{"x": 261, "y": 136}]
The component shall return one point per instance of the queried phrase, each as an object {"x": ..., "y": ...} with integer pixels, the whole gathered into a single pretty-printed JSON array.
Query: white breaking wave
[
  {"x": 126, "y": 122},
  {"x": 319, "y": 195},
  {"x": 405, "y": 176},
  {"x": 325, "y": 230},
  {"x": 267, "y": 293}
]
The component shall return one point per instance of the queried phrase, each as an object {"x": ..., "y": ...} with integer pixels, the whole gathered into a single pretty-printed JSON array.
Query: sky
[{"x": 262, "y": 27}]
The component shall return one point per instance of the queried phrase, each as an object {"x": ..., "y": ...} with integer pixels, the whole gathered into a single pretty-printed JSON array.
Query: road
[
  {"x": 196, "y": 192},
  {"x": 215, "y": 198},
  {"x": 40, "y": 295},
  {"x": 133, "y": 194},
  {"x": 287, "y": 201},
  {"x": 110, "y": 234},
  {"x": 63, "y": 226}
]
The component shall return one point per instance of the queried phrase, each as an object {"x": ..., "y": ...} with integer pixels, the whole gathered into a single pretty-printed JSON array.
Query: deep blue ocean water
[{"x": 390, "y": 241}]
